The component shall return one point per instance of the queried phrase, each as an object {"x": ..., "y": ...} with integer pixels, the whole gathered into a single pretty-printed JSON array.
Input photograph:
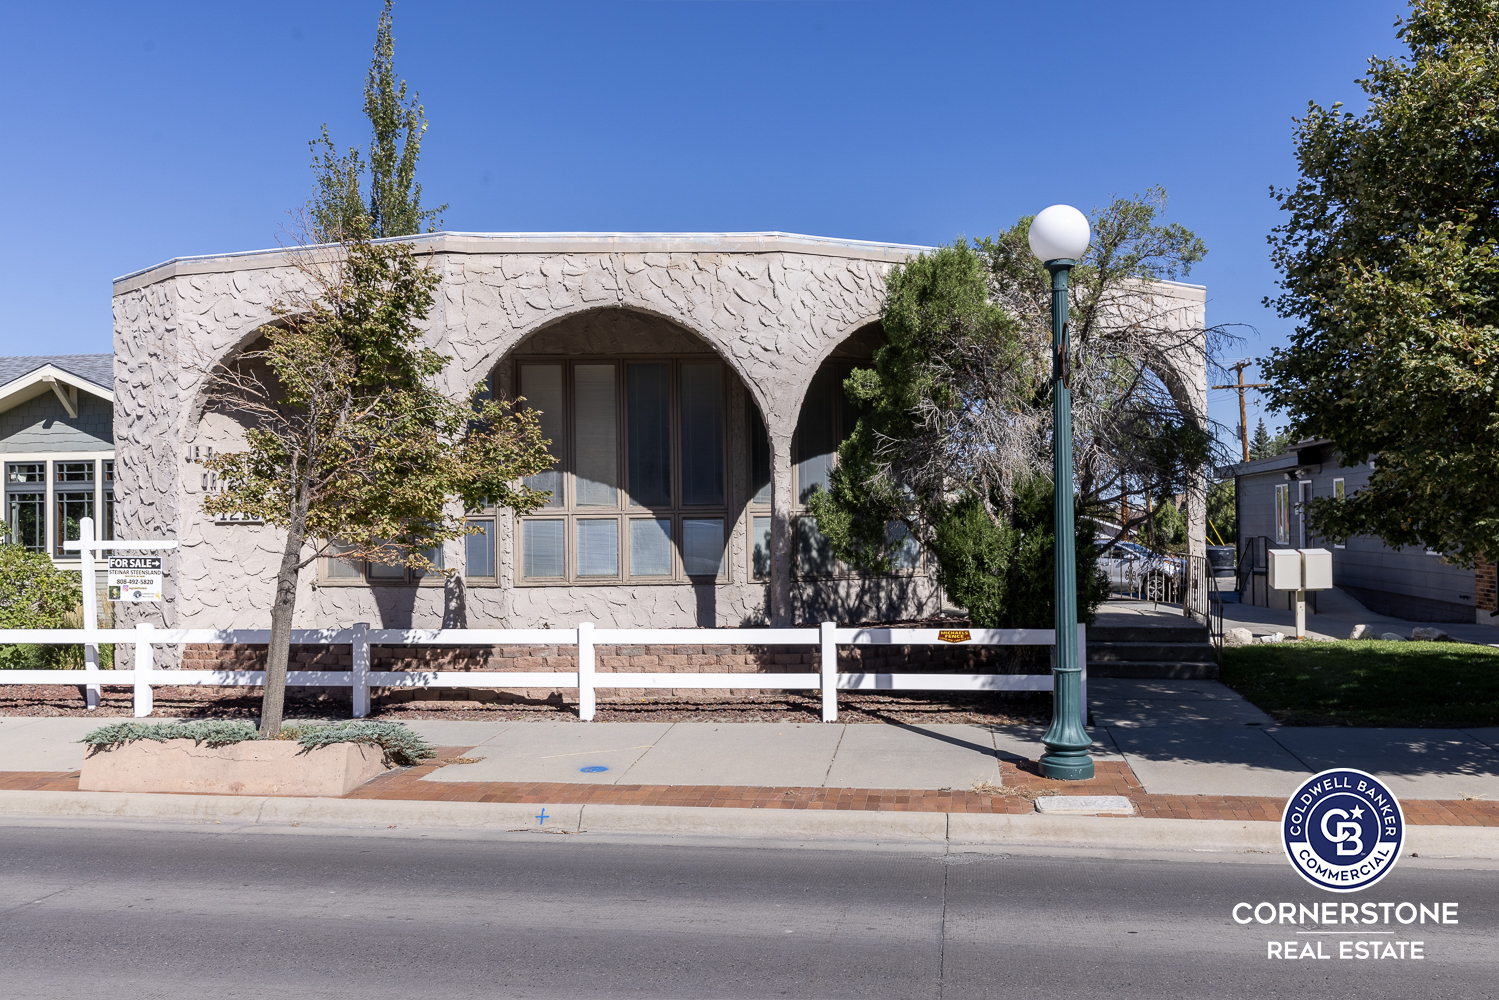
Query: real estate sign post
[{"x": 86, "y": 545}]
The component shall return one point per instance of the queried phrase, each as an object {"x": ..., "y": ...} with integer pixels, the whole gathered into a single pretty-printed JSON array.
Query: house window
[
  {"x": 1283, "y": 514},
  {"x": 827, "y": 419},
  {"x": 26, "y": 505},
  {"x": 639, "y": 491},
  {"x": 341, "y": 569},
  {"x": 1338, "y": 493},
  {"x": 73, "y": 493}
]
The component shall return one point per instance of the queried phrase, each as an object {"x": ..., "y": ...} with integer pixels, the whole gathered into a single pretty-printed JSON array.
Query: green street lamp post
[{"x": 1059, "y": 236}]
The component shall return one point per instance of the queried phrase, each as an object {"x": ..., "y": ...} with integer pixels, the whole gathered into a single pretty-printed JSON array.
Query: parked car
[{"x": 1136, "y": 571}]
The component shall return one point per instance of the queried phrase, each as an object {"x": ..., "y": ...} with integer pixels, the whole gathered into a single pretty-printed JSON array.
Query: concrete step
[
  {"x": 1189, "y": 631},
  {"x": 1176, "y": 670},
  {"x": 1149, "y": 651}
]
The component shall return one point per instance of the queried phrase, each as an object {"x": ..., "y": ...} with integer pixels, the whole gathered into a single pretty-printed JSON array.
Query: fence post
[
  {"x": 585, "y": 672},
  {"x": 359, "y": 647},
  {"x": 1082, "y": 661},
  {"x": 829, "y": 650},
  {"x": 90, "y": 611},
  {"x": 143, "y": 661}
]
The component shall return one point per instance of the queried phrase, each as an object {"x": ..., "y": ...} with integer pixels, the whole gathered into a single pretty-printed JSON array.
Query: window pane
[
  {"x": 702, "y": 546},
  {"x": 542, "y": 387},
  {"x": 816, "y": 441},
  {"x": 759, "y": 458},
  {"x": 74, "y": 472},
  {"x": 341, "y": 569},
  {"x": 541, "y": 547},
  {"x": 598, "y": 548},
  {"x": 478, "y": 550},
  {"x": 25, "y": 472},
  {"x": 760, "y": 547},
  {"x": 650, "y": 546},
  {"x": 72, "y": 508},
  {"x": 814, "y": 556},
  {"x": 26, "y": 516},
  {"x": 385, "y": 570},
  {"x": 109, "y": 515},
  {"x": 648, "y": 398},
  {"x": 905, "y": 553},
  {"x": 434, "y": 556},
  {"x": 596, "y": 457},
  {"x": 702, "y": 433}
]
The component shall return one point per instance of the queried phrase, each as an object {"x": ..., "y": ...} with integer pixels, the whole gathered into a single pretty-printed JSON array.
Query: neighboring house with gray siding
[
  {"x": 57, "y": 448},
  {"x": 1406, "y": 583}
]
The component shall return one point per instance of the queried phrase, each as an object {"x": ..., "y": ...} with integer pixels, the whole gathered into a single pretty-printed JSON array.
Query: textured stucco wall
[{"x": 772, "y": 316}]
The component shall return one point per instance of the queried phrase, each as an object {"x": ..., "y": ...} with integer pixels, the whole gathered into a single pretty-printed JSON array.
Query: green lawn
[{"x": 1369, "y": 683}]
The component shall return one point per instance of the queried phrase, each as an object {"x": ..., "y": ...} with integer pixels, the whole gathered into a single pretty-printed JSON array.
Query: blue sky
[{"x": 141, "y": 132}]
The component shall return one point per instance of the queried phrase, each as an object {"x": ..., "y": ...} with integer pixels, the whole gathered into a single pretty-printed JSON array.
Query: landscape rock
[
  {"x": 1238, "y": 637},
  {"x": 1394, "y": 637},
  {"x": 1426, "y": 634},
  {"x": 1362, "y": 632},
  {"x": 1273, "y": 637}
]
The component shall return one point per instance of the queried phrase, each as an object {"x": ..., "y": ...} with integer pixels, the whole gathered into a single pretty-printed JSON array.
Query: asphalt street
[{"x": 187, "y": 912}]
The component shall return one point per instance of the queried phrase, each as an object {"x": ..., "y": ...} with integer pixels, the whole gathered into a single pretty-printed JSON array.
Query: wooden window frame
[{"x": 570, "y": 512}]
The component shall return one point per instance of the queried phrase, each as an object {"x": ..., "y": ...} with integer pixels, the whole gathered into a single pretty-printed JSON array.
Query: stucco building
[{"x": 691, "y": 384}]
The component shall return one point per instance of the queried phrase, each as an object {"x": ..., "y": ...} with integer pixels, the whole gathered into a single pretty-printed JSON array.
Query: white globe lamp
[{"x": 1060, "y": 233}]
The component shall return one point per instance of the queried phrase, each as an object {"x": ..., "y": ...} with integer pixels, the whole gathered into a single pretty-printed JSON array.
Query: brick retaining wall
[{"x": 683, "y": 658}]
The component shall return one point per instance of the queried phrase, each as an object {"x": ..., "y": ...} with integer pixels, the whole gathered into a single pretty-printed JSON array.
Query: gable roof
[{"x": 96, "y": 368}]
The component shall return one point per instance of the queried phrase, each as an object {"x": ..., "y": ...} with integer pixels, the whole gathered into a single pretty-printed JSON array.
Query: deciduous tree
[
  {"x": 394, "y": 208},
  {"x": 1389, "y": 255},
  {"x": 351, "y": 439}
]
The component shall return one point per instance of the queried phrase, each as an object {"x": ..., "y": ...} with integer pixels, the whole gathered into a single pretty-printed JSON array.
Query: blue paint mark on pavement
[
  {"x": 542, "y": 816},
  {"x": 593, "y": 769}
]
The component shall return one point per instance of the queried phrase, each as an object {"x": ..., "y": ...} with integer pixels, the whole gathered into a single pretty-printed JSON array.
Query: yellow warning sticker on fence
[{"x": 955, "y": 635}]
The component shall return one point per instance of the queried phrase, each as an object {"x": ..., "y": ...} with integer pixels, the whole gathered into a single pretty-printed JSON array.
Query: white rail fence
[{"x": 586, "y": 679}]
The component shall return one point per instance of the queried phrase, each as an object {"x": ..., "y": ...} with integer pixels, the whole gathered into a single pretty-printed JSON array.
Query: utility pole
[{"x": 1243, "y": 415}]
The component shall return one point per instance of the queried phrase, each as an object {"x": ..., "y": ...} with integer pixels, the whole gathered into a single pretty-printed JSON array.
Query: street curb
[{"x": 957, "y": 829}]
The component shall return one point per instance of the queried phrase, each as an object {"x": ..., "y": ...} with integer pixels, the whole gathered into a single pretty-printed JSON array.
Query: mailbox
[
  {"x": 1285, "y": 569},
  {"x": 1300, "y": 569},
  {"x": 1316, "y": 569}
]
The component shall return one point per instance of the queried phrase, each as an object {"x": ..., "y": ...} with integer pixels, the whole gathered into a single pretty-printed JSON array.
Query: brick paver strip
[{"x": 1113, "y": 778}]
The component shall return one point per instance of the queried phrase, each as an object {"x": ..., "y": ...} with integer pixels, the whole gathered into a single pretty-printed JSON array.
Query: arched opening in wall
[
  {"x": 659, "y": 451},
  {"x": 828, "y": 417},
  {"x": 244, "y": 390}
]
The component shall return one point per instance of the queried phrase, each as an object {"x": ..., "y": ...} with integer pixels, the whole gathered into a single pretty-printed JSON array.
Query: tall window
[
  {"x": 26, "y": 505},
  {"x": 108, "y": 531},
  {"x": 73, "y": 490},
  {"x": 1283, "y": 514},
  {"x": 638, "y": 491}
]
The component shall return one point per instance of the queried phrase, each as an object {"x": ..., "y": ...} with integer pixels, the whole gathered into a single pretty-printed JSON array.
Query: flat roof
[
  {"x": 550, "y": 243},
  {"x": 555, "y": 243}
]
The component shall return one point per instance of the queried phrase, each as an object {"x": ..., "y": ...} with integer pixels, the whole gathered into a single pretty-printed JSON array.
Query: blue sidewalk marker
[{"x": 593, "y": 769}]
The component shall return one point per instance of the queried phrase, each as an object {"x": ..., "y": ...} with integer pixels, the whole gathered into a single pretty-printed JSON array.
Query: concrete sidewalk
[
  {"x": 1337, "y": 614},
  {"x": 1168, "y": 738},
  {"x": 804, "y": 755}
]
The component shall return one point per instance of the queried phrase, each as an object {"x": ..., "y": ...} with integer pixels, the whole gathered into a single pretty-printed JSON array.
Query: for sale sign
[{"x": 134, "y": 578}]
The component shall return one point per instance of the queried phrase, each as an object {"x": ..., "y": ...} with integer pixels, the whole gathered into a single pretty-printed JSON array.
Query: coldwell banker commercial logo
[{"x": 1343, "y": 830}]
